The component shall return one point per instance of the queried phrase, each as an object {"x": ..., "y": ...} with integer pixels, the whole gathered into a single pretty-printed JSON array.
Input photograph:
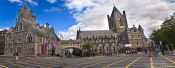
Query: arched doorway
[
  {"x": 72, "y": 51},
  {"x": 18, "y": 51}
]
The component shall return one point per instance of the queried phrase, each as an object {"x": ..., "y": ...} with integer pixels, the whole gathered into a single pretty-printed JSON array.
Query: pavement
[{"x": 122, "y": 61}]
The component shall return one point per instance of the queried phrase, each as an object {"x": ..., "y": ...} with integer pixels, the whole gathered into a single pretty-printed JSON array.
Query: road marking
[
  {"x": 151, "y": 62},
  {"x": 97, "y": 60},
  {"x": 15, "y": 64},
  {"x": 170, "y": 60},
  {"x": 97, "y": 63},
  {"x": 3, "y": 66},
  {"x": 127, "y": 66},
  {"x": 116, "y": 62}
]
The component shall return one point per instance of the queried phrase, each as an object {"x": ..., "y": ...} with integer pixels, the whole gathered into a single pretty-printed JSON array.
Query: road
[{"x": 124, "y": 61}]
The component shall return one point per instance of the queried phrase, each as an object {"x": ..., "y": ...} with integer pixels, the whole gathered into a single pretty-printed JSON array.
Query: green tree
[
  {"x": 87, "y": 45},
  {"x": 166, "y": 33}
]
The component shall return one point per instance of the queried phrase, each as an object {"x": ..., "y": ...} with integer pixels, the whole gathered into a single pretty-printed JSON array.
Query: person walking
[
  {"x": 162, "y": 52},
  {"x": 145, "y": 50},
  {"x": 156, "y": 51}
]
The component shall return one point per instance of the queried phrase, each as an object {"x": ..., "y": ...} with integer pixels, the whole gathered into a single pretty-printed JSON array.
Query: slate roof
[{"x": 97, "y": 33}]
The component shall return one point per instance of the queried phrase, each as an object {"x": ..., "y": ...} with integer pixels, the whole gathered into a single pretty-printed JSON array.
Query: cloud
[
  {"x": 52, "y": 1},
  {"x": 91, "y": 14},
  {"x": 20, "y": 2},
  {"x": 32, "y": 2},
  {"x": 4, "y": 28},
  {"x": 52, "y": 10}
]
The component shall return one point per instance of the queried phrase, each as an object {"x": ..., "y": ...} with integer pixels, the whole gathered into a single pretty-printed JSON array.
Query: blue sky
[
  {"x": 56, "y": 14},
  {"x": 66, "y": 16}
]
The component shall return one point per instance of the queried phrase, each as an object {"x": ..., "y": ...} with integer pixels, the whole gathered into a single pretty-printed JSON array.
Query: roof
[
  {"x": 97, "y": 33},
  {"x": 38, "y": 31},
  {"x": 100, "y": 32},
  {"x": 71, "y": 41},
  {"x": 116, "y": 12}
]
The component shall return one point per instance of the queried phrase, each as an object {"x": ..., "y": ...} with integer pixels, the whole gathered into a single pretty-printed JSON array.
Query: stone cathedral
[
  {"x": 28, "y": 38},
  {"x": 108, "y": 41}
]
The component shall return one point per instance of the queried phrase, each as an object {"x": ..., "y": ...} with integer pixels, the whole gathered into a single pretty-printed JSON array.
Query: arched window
[
  {"x": 114, "y": 49},
  {"x": 137, "y": 43},
  {"x": 100, "y": 50},
  {"x": 11, "y": 50},
  {"x": 20, "y": 26},
  {"x": 18, "y": 50},
  {"x": 29, "y": 38},
  {"x": 120, "y": 21}
]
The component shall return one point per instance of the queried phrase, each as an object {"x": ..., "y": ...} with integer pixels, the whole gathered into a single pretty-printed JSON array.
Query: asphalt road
[{"x": 124, "y": 61}]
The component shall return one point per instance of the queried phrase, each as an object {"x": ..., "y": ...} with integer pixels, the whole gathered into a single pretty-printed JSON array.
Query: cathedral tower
[
  {"x": 117, "y": 21},
  {"x": 24, "y": 16}
]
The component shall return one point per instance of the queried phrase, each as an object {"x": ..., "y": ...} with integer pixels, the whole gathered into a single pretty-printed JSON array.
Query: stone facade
[
  {"x": 28, "y": 37},
  {"x": 109, "y": 41},
  {"x": 104, "y": 40},
  {"x": 2, "y": 41},
  {"x": 71, "y": 44}
]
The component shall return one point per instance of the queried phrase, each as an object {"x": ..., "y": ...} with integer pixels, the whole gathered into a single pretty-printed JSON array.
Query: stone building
[
  {"x": 28, "y": 37},
  {"x": 2, "y": 41},
  {"x": 71, "y": 44},
  {"x": 109, "y": 41},
  {"x": 105, "y": 41}
]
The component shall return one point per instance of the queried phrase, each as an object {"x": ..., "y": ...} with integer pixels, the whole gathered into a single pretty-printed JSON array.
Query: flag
[
  {"x": 46, "y": 47},
  {"x": 43, "y": 47}
]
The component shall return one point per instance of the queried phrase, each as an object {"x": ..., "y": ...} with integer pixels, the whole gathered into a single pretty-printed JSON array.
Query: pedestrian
[
  {"x": 93, "y": 54},
  {"x": 157, "y": 51},
  {"x": 162, "y": 52},
  {"x": 145, "y": 51}
]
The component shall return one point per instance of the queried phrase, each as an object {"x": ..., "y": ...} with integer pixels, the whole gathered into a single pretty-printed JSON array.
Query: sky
[{"x": 67, "y": 16}]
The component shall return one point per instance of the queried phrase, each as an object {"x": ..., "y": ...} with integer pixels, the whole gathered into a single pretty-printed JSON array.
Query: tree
[
  {"x": 166, "y": 33},
  {"x": 87, "y": 46}
]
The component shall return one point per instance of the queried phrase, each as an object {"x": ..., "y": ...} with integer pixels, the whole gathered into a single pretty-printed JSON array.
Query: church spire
[
  {"x": 115, "y": 11},
  {"x": 25, "y": 5},
  {"x": 140, "y": 28}
]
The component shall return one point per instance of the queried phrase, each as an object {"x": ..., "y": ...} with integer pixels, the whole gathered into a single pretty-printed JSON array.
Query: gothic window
[
  {"x": 20, "y": 26},
  {"x": 18, "y": 50},
  {"x": 11, "y": 50},
  {"x": 100, "y": 50},
  {"x": 29, "y": 38},
  {"x": 120, "y": 21},
  {"x": 114, "y": 49},
  {"x": 133, "y": 36},
  {"x": 139, "y": 36},
  {"x": 107, "y": 49},
  {"x": 137, "y": 43}
]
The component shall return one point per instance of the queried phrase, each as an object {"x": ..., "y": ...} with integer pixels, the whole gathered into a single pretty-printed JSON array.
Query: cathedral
[
  {"x": 28, "y": 38},
  {"x": 117, "y": 37}
]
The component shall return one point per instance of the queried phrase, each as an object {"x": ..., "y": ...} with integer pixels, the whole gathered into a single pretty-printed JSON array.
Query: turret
[
  {"x": 47, "y": 26},
  {"x": 125, "y": 19},
  {"x": 140, "y": 28},
  {"x": 78, "y": 32}
]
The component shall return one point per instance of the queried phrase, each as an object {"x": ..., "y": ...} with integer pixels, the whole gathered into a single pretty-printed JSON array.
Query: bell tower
[{"x": 117, "y": 21}]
